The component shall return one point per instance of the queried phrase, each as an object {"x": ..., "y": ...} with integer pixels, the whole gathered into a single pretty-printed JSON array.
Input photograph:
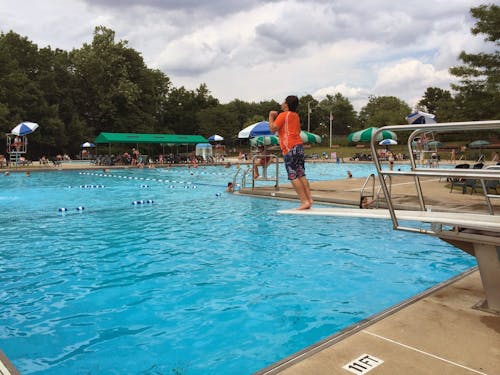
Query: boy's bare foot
[{"x": 304, "y": 206}]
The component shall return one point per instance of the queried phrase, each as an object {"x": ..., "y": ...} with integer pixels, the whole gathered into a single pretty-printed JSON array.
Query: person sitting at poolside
[
  {"x": 17, "y": 143},
  {"x": 264, "y": 160},
  {"x": 364, "y": 202}
]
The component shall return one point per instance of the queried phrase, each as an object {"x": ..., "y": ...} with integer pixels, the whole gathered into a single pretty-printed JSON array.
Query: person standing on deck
[{"x": 287, "y": 124}]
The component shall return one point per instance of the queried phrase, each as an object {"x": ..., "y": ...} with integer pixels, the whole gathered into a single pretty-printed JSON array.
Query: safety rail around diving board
[{"x": 417, "y": 129}]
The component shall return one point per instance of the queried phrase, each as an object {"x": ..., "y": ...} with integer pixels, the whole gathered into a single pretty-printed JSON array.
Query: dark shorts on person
[{"x": 294, "y": 162}]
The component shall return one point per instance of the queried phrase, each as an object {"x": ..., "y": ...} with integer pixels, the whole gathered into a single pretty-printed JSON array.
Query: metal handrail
[
  {"x": 436, "y": 172},
  {"x": 243, "y": 179},
  {"x": 273, "y": 158},
  {"x": 371, "y": 178},
  {"x": 380, "y": 189},
  {"x": 374, "y": 195}
]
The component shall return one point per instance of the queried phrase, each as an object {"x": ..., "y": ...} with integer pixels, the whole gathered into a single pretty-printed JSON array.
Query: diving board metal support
[{"x": 488, "y": 260}]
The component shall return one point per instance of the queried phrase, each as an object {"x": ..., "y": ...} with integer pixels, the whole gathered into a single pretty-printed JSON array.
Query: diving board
[{"x": 465, "y": 220}]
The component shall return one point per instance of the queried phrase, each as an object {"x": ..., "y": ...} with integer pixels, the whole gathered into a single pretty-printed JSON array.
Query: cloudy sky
[{"x": 266, "y": 49}]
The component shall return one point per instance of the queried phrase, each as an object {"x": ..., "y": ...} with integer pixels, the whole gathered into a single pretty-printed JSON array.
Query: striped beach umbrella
[
  {"x": 365, "y": 135},
  {"x": 264, "y": 140},
  {"x": 24, "y": 128},
  {"x": 308, "y": 137}
]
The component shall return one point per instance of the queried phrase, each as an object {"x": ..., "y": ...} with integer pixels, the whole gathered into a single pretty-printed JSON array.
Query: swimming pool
[{"x": 198, "y": 281}]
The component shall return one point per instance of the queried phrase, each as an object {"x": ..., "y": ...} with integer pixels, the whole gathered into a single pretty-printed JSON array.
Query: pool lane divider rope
[
  {"x": 139, "y": 202},
  {"x": 187, "y": 184}
]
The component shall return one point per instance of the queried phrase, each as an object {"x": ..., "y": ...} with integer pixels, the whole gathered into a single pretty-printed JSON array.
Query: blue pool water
[{"x": 197, "y": 282}]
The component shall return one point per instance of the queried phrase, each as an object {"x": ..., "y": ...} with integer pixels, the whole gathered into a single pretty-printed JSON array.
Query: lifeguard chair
[{"x": 17, "y": 146}]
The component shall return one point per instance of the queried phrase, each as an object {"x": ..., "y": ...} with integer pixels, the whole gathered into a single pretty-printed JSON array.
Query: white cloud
[
  {"x": 408, "y": 80},
  {"x": 258, "y": 50}
]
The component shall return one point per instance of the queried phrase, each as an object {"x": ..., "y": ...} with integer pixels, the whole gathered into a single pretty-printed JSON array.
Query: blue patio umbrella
[
  {"x": 420, "y": 117},
  {"x": 216, "y": 138},
  {"x": 254, "y": 130},
  {"x": 24, "y": 128},
  {"x": 388, "y": 142}
]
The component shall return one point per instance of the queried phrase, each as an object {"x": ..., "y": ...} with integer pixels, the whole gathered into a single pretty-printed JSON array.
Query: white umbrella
[
  {"x": 24, "y": 128},
  {"x": 420, "y": 117},
  {"x": 254, "y": 130},
  {"x": 216, "y": 138},
  {"x": 88, "y": 144},
  {"x": 388, "y": 142}
]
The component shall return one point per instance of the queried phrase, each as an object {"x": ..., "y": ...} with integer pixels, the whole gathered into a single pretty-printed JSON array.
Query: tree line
[{"x": 106, "y": 86}]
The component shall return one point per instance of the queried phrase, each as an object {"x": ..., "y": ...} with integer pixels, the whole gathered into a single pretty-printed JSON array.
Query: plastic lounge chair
[
  {"x": 458, "y": 181},
  {"x": 492, "y": 184},
  {"x": 470, "y": 182},
  {"x": 464, "y": 184}
]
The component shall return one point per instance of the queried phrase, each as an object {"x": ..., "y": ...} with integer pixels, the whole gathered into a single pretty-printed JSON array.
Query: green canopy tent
[{"x": 163, "y": 139}]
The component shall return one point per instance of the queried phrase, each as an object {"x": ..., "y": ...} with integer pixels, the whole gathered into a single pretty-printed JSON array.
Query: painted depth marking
[
  {"x": 363, "y": 364},
  {"x": 425, "y": 353}
]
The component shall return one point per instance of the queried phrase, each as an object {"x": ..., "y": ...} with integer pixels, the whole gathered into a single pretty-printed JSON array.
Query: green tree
[
  {"x": 344, "y": 116},
  {"x": 478, "y": 93},
  {"x": 115, "y": 90},
  {"x": 310, "y": 114},
  {"x": 34, "y": 86},
  {"x": 383, "y": 110},
  {"x": 20, "y": 96},
  {"x": 218, "y": 120},
  {"x": 182, "y": 107}
]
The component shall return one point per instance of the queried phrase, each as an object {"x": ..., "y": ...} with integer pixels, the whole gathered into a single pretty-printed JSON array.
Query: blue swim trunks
[{"x": 294, "y": 162}]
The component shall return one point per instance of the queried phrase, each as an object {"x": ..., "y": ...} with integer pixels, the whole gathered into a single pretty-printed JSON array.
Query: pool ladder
[
  {"x": 375, "y": 196},
  {"x": 248, "y": 173}
]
